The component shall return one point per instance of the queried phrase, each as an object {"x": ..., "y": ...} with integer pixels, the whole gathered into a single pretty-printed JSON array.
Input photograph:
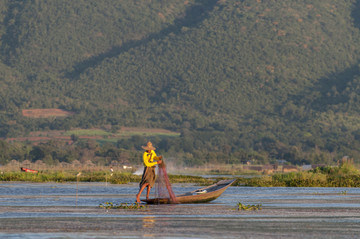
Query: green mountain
[{"x": 246, "y": 79}]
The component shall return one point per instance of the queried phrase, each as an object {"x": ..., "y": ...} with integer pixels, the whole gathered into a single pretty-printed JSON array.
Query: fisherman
[{"x": 148, "y": 177}]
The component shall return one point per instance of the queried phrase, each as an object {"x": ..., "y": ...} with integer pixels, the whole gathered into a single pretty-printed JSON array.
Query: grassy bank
[
  {"x": 299, "y": 179},
  {"x": 345, "y": 175},
  {"x": 69, "y": 176},
  {"x": 93, "y": 176}
]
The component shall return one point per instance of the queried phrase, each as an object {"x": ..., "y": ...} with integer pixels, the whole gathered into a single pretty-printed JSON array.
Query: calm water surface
[
  {"x": 47, "y": 210},
  {"x": 92, "y": 194}
]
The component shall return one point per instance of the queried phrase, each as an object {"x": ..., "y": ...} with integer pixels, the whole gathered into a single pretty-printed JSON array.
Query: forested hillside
[{"x": 241, "y": 80}]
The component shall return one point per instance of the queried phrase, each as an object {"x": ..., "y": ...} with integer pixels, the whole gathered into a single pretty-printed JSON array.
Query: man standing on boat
[{"x": 148, "y": 178}]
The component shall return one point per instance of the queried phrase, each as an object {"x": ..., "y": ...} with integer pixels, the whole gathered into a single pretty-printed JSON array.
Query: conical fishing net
[{"x": 163, "y": 188}]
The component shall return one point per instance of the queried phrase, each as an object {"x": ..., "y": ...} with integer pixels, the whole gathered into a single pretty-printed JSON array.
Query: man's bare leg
[
  {"x": 140, "y": 191},
  {"x": 148, "y": 191}
]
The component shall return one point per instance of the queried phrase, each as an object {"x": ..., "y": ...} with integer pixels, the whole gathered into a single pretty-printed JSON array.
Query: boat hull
[
  {"x": 211, "y": 193},
  {"x": 27, "y": 170}
]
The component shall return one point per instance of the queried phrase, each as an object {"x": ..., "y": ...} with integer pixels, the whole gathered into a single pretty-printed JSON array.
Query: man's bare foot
[{"x": 137, "y": 198}]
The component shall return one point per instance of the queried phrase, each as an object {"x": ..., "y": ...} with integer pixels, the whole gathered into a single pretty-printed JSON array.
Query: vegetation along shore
[{"x": 344, "y": 175}]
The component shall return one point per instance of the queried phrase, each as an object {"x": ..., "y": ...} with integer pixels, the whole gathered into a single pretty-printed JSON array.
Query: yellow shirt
[{"x": 149, "y": 158}]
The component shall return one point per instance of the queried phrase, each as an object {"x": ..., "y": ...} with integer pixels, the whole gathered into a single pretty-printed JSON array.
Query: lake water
[{"x": 56, "y": 210}]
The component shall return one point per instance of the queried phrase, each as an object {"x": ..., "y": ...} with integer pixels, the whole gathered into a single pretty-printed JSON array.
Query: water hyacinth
[
  {"x": 243, "y": 207},
  {"x": 110, "y": 205}
]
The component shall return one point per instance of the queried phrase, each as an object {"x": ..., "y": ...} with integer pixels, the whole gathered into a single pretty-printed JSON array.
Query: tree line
[{"x": 240, "y": 80}]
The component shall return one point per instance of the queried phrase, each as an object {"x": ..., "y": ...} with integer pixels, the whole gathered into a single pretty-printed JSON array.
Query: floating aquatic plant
[
  {"x": 344, "y": 192},
  {"x": 243, "y": 207},
  {"x": 110, "y": 205}
]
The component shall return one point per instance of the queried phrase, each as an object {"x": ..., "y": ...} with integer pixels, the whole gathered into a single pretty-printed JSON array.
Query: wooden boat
[
  {"x": 27, "y": 170},
  {"x": 201, "y": 195}
]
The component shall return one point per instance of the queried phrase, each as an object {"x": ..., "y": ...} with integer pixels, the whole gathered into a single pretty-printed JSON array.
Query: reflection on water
[{"x": 148, "y": 223}]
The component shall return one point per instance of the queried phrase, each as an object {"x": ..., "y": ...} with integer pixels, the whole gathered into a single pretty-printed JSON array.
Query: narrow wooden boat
[
  {"x": 201, "y": 195},
  {"x": 27, "y": 170}
]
